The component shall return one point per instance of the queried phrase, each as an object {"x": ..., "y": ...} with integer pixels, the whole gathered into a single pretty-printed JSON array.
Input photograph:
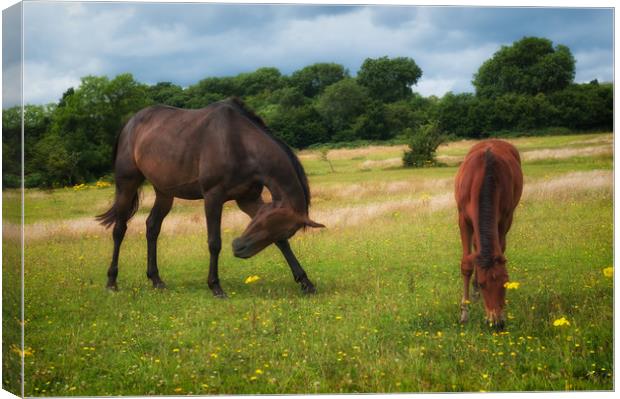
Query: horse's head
[
  {"x": 491, "y": 281},
  {"x": 270, "y": 224}
]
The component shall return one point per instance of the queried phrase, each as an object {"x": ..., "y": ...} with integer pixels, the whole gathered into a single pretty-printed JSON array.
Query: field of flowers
[{"x": 384, "y": 319}]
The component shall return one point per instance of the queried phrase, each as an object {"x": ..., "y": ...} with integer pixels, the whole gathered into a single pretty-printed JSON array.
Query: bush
[
  {"x": 35, "y": 180},
  {"x": 11, "y": 181},
  {"x": 422, "y": 146}
]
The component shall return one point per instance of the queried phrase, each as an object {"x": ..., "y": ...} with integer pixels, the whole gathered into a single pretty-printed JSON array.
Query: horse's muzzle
[{"x": 241, "y": 249}]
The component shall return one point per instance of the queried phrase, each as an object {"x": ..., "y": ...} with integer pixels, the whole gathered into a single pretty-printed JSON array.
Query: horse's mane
[
  {"x": 239, "y": 105},
  {"x": 486, "y": 211}
]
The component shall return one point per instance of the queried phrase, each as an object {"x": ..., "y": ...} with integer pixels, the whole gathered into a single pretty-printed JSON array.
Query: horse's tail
[
  {"x": 486, "y": 211},
  {"x": 108, "y": 218}
]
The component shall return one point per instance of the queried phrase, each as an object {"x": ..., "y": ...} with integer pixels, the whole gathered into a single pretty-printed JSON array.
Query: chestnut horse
[
  {"x": 487, "y": 190},
  {"x": 219, "y": 153}
]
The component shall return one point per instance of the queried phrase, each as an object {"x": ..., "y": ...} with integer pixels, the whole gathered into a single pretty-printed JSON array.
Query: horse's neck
[
  {"x": 279, "y": 175},
  {"x": 288, "y": 192}
]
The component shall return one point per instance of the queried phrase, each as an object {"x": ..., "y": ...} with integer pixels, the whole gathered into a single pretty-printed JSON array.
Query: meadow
[{"x": 384, "y": 319}]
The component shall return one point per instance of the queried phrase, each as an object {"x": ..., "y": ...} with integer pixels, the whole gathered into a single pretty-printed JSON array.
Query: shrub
[
  {"x": 422, "y": 146},
  {"x": 11, "y": 181}
]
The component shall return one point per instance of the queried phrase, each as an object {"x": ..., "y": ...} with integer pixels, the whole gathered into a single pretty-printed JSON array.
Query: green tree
[
  {"x": 299, "y": 127},
  {"x": 260, "y": 81},
  {"x": 89, "y": 121},
  {"x": 54, "y": 164},
  {"x": 210, "y": 90},
  {"x": 289, "y": 97},
  {"x": 584, "y": 106},
  {"x": 11, "y": 146},
  {"x": 37, "y": 121},
  {"x": 529, "y": 66},
  {"x": 167, "y": 93},
  {"x": 457, "y": 115},
  {"x": 371, "y": 124},
  {"x": 389, "y": 80},
  {"x": 409, "y": 114},
  {"x": 313, "y": 79},
  {"x": 341, "y": 104}
]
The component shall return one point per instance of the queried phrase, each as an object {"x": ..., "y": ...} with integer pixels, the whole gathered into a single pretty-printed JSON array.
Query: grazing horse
[
  {"x": 219, "y": 153},
  {"x": 487, "y": 190}
]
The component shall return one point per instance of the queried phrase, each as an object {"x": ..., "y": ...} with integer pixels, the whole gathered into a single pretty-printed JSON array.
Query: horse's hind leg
[
  {"x": 250, "y": 206},
  {"x": 125, "y": 204},
  {"x": 162, "y": 206}
]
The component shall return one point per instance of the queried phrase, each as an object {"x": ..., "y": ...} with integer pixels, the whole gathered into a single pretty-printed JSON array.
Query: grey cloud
[
  {"x": 393, "y": 17},
  {"x": 11, "y": 56},
  {"x": 184, "y": 43},
  {"x": 570, "y": 26}
]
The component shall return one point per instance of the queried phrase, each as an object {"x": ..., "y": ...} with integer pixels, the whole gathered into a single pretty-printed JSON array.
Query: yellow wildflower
[
  {"x": 102, "y": 184},
  {"x": 251, "y": 279},
  {"x": 26, "y": 352},
  {"x": 179, "y": 389},
  {"x": 512, "y": 285},
  {"x": 561, "y": 322},
  {"x": 258, "y": 371},
  {"x": 608, "y": 271}
]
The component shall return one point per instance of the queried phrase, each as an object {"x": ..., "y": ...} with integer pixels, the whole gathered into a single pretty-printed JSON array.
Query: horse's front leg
[
  {"x": 250, "y": 206},
  {"x": 213, "y": 211},
  {"x": 299, "y": 274},
  {"x": 467, "y": 266}
]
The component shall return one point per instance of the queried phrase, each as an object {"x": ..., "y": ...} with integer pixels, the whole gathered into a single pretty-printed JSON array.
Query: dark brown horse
[
  {"x": 219, "y": 153},
  {"x": 487, "y": 189}
]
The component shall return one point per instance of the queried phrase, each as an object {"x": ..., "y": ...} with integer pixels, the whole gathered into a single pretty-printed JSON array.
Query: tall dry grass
[{"x": 416, "y": 199}]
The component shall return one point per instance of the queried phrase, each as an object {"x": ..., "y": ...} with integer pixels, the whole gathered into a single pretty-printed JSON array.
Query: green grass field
[{"x": 385, "y": 318}]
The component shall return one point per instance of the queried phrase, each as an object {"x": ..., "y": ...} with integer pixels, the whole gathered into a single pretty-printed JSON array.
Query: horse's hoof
[
  {"x": 307, "y": 288},
  {"x": 218, "y": 292},
  {"x": 220, "y": 295},
  {"x": 498, "y": 326},
  {"x": 111, "y": 287},
  {"x": 159, "y": 284}
]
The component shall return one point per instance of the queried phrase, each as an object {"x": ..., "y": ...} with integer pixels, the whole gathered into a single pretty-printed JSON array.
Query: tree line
[{"x": 527, "y": 87}]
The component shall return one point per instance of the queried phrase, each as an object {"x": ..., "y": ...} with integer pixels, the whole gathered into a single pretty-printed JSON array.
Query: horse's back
[
  {"x": 166, "y": 144},
  {"x": 506, "y": 169},
  {"x": 185, "y": 152},
  {"x": 501, "y": 149}
]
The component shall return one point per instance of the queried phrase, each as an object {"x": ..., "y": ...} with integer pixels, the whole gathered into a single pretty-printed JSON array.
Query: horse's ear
[{"x": 311, "y": 223}]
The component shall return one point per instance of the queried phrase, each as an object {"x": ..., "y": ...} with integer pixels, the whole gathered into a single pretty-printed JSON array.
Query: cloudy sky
[{"x": 186, "y": 42}]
